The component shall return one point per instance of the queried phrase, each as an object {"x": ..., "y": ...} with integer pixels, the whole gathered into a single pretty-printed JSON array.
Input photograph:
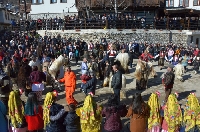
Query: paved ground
[{"x": 191, "y": 84}]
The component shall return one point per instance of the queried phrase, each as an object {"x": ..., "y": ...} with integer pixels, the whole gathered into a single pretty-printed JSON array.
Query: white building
[
  {"x": 52, "y": 8},
  {"x": 184, "y": 4}
]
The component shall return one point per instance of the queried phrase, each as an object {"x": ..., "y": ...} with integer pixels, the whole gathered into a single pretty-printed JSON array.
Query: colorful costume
[
  {"x": 90, "y": 116},
  {"x": 192, "y": 113},
  {"x": 70, "y": 85},
  {"x": 16, "y": 112},
  {"x": 172, "y": 115},
  {"x": 154, "y": 120}
]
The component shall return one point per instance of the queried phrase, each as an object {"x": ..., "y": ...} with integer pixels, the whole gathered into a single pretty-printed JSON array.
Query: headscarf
[
  {"x": 154, "y": 118},
  {"x": 50, "y": 98},
  {"x": 192, "y": 112},
  {"x": 15, "y": 108},
  {"x": 90, "y": 114},
  {"x": 172, "y": 113}
]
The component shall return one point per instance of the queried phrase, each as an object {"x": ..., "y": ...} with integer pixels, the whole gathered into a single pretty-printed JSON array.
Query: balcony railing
[{"x": 168, "y": 24}]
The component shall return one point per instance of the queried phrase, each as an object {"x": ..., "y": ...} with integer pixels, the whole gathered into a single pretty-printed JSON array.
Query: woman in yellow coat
[
  {"x": 154, "y": 120},
  {"x": 90, "y": 115},
  {"x": 192, "y": 113}
]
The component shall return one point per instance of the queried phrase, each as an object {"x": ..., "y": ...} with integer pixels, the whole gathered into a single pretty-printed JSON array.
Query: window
[
  {"x": 197, "y": 41},
  {"x": 186, "y": 2},
  {"x": 40, "y": 1},
  {"x": 191, "y": 39},
  {"x": 34, "y": 1},
  {"x": 37, "y": 1},
  {"x": 63, "y": 1},
  {"x": 180, "y": 2},
  {"x": 169, "y": 3},
  {"x": 196, "y": 2},
  {"x": 53, "y": 1}
]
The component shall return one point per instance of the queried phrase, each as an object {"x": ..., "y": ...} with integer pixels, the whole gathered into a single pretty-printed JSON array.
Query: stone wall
[{"x": 126, "y": 35}]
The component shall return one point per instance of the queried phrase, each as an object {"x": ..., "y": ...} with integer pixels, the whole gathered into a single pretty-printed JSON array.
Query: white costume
[
  {"x": 124, "y": 59},
  {"x": 179, "y": 70},
  {"x": 56, "y": 65}
]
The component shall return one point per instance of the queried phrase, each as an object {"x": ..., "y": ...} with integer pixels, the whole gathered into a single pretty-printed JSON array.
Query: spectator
[
  {"x": 72, "y": 120},
  {"x": 3, "y": 118},
  {"x": 34, "y": 114},
  {"x": 53, "y": 113},
  {"x": 36, "y": 78},
  {"x": 84, "y": 66},
  {"x": 139, "y": 113},
  {"x": 90, "y": 85},
  {"x": 112, "y": 113},
  {"x": 116, "y": 83}
]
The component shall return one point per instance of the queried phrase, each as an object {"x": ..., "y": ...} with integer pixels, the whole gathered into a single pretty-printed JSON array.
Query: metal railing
[{"x": 168, "y": 24}]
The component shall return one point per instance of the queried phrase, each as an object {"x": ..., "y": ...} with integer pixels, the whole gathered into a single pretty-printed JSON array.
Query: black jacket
[
  {"x": 196, "y": 65},
  {"x": 72, "y": 122},
  {"x": 117, "y": 80},
  {"x": 57, "y": 114}
]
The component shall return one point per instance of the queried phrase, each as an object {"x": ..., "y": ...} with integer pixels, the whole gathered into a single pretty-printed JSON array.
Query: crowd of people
[
  {"x": 109, "y": 21},
  {"x": 26, "y": 58},
  {"x": 144, "y": 117}
]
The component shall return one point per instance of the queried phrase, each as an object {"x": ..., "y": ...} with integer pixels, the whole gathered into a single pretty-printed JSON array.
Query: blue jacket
[
  {"x": 90, "y": 86},
  {"x": 3, "y": 120},
  {"x": 72, "y": 122},
  {"x": 57, "y": 114}
]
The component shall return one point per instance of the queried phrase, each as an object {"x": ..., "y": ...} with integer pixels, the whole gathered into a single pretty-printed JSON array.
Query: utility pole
[
  {"x": 115, "y": 7},
  {"x": 24, "y": 2}
]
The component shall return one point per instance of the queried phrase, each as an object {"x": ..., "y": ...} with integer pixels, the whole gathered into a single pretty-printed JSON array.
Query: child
[
  {"x": 196, "y": 65},
  {"x": 72, "y": 120}
]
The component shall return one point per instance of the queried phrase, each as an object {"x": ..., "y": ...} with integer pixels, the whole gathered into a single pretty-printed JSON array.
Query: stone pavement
[{"x": 191, "y": 84}]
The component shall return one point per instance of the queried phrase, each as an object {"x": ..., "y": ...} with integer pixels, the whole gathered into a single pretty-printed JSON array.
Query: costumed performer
[
  {"x": 172, "y": 115},
  {"x": 154, "y": 120},
  {"x": 90, "y": 115},
  {"x": 192, "y": 114},
  {"x": 16, "y": 112},
  {"x": 179, "y": 71},
  {"x": 70, "y": 85}
]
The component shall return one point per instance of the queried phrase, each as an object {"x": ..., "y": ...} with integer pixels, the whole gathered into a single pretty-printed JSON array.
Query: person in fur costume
[
  {"x": 124, "y": 59},
  {"x": 179, "y": 71},
  {"x": 107, "y": 72}
]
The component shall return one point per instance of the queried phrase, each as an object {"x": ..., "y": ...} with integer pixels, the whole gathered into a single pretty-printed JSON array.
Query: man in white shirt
[{"x": 35, "y": 62}]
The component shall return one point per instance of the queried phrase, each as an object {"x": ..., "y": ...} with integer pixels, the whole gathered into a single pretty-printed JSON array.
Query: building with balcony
[
  {"x": 5, "y": 18},
  {"x": 184, "y": 15},
  {"x": 52, "y": 8}
]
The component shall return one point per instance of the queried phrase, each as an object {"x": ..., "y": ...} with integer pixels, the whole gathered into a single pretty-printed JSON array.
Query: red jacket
[
  {"x": 35, "y": 122},
  {"x": 1, "y": 56}
]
